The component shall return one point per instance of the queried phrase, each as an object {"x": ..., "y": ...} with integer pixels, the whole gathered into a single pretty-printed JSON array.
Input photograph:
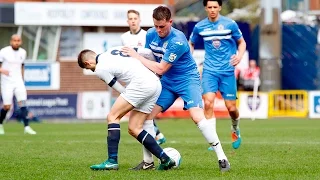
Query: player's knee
[
  {"x": 232, "y": 108},
  {"x": 6, "y": 107},
  {"x": 208, "y": 104},
  {"x": 133, "y": 131}
]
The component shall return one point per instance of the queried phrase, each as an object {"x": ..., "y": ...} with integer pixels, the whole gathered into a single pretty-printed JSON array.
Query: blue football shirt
[
  {"x": 220, "y": 43},
  {"x": 173, "y": 49}
]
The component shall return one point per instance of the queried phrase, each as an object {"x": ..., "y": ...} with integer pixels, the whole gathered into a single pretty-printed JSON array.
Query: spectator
[{"x": 249, "y": 76}]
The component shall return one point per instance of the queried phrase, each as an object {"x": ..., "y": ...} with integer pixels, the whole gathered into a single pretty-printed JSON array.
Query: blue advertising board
[
  {"x": 49, "y": 106},
  {"x": 42, "y": 76}
]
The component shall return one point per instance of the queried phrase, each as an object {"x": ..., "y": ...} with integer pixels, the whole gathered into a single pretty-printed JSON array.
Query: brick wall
[{"x": 72, "y": 80}]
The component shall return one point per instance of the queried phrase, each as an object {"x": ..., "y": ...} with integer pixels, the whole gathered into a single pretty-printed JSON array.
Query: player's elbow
[{"x": 161, "y": 71}]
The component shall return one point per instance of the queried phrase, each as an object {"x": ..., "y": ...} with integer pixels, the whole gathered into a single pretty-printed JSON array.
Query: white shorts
[
  {"x": 17, "y": 89},
  {"x": 142, "y": 96}
]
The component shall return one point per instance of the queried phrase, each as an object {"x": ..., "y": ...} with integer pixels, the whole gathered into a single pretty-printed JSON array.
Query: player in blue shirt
[
  {"x": 222, "y": 39},
  {"x": 180, "y": 76}
]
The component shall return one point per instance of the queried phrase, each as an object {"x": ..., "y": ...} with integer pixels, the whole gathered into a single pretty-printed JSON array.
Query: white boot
[
  {"x": 1, "y": 129},
  {"x": 29, "y": 130}
]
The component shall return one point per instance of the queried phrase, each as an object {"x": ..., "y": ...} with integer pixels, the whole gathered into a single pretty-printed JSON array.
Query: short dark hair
[
  {"x": 205, "y": 2},
  {"x": 133, "y": 11},
  {"x": 83, "y": 56},
  {"x": 161, "y": 13}
]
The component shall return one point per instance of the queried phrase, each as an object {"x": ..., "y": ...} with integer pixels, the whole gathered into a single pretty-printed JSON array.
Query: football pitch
[{"x": 271, "y": 149}]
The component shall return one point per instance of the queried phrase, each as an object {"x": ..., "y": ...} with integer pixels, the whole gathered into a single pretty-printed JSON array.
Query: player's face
[
  {"x": 15, "y": 42},
  {"x": 133, "y": 21},
  {"x": 163, "y": 27},
  {"x": 213, "y": 9}
]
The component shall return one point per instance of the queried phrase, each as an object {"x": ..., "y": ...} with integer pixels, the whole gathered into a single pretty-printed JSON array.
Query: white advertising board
[
  {"x": 245, "y": 105},
  {"x": 79, "y": 14},
  {"x": 94, "y": 105}
]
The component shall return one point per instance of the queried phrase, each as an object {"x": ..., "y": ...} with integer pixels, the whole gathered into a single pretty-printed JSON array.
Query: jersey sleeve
[
  {"x": 109, "y": 79},
  {"x": 194, "y": 37},
  {"x": 175, "y": 49},
  {"x": 235, "y": 31}
]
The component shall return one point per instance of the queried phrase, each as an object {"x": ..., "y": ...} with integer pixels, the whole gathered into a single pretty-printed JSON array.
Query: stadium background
[{"x": 58, "y": 89}]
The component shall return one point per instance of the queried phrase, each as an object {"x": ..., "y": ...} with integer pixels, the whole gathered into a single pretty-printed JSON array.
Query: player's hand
[
  {"x": 5, "y": 72},
  {"x": 235, "y": 60},
  {"x": 130, "y": 52}
]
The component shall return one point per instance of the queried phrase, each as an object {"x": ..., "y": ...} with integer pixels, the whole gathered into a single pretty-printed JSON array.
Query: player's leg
[
  {"x": 164, "y": 101},
  {"x": 7, "y": 98},
  {"x": 193, "y": 101},
  {"x": 210, "y": 84},
  {"x": 228, "y": 90},
  {"x": 120, "y": 108},
  {"x": 21, "y": 95},
  {"x": 146, "y": 139}
]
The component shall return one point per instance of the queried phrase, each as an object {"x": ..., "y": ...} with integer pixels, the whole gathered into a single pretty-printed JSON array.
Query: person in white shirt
[
  {"x": 12, "y": 84},
  {"x": 139, "y": 96},
  {"x": 136, "y": 36}
]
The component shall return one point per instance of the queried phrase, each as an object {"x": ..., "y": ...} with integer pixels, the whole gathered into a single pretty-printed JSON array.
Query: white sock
[
  {"x": 207, "y": 127},
  {"x": 149, "y": 127}
]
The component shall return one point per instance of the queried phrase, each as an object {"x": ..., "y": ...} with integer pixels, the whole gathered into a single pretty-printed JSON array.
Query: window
[{"x": 70, "y": 43}]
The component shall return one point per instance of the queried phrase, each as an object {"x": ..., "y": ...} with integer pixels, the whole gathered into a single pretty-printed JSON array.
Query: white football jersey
[
  {"x": 12, "y": 61},
  {"x": 134, "y": 40},
  {"x": 125, "y": 68}
]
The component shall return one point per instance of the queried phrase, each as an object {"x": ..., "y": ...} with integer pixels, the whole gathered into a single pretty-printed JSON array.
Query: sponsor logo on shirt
[{"x": 172, "y": 57}]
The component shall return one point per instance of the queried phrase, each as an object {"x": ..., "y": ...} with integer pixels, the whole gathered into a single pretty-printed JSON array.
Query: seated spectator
[{"x": 249, "y": 76}]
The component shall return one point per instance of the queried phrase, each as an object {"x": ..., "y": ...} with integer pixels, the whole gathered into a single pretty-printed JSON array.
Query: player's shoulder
[
  {"x": 22, "y": 50},
  {"x": 125, "y": 34},
  {"x": 142, "y": 32},
  {"x": 203, "y": 22},
  {"x": 178, "y": 38},
  {"x": 151, "y": 32},
  {"x": 5, "y": 49},
  {"x": 226, "y": 20}
]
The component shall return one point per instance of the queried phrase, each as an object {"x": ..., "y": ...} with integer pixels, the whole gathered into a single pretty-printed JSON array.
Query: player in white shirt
[
  {"x": 139, "y": 96},
  {"x": 136, "y": 36},
  {"x": 12, "y": 84}
]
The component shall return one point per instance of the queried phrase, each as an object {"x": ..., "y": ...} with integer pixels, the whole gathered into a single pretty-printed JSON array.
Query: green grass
[{"x": 271, "y": 149}]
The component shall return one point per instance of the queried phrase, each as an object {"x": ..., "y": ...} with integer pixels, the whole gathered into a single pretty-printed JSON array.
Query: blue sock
[
  {"x": 150, "y": 143},
  {"x": 24, "y": 115},
  {"x": 113, "y": 141},
  {"x": 3, "y": 115}
]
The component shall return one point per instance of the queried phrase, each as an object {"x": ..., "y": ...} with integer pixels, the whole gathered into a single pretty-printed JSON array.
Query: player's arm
[
  {"x": 158, "y": 68},
  {"x": 242, "y": 45},
  {"x": 193, "y": 38},
  {"x": 110, "y": 80},
  {"x": 237, "y": 35},
  {"x": 2, "y": 71}
]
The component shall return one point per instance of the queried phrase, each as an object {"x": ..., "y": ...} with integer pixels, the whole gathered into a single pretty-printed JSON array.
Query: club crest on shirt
[
  {"x": 172, "y": 57},
  {"x": 216, "y": 43},
  {"x": 220, "y": 27}
]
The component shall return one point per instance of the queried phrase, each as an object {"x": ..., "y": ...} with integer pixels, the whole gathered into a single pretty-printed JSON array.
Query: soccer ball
[{"x": 174, "y": 155}]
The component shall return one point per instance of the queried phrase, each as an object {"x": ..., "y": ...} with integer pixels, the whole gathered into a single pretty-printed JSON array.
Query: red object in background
[
  {"x": 251, "y": 74},
  {"x": 176, "y": 110}
]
